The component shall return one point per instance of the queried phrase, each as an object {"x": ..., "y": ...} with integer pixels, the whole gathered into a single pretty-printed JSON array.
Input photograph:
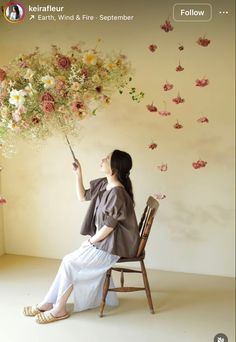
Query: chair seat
[{"x": 123, "y": 259}]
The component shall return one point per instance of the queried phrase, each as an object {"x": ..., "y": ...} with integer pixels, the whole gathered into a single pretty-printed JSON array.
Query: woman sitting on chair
[{"x": 112, "y": 226}]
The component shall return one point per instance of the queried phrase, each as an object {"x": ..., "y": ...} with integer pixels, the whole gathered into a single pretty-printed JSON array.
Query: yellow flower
[
  {"x": 110, "y": 66},
  {"x": 90, "y": 58}
]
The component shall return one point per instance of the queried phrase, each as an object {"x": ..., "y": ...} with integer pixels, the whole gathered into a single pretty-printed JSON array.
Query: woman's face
[{"x": 106, "y": 164}]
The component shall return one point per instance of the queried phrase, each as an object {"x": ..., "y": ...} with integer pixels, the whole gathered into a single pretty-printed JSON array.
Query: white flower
[
  {"x": 49, "y": 82},
  {"x": 29, "y": 74},
  {"x": 17, "y": 97}
]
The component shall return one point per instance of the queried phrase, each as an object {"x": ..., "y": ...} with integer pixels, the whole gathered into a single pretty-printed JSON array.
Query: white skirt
[{"x": 85, "y": 270}]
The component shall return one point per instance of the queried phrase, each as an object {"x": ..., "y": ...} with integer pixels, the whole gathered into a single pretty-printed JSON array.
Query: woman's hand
[
  {"x": 77, "y": 167},
  {"x": 86, "y": 243}
]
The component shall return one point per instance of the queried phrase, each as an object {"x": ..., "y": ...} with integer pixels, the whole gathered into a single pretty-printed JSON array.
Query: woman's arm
[
  {"x": 101, "y": 234},
  {"x": 80, "y": 190}
]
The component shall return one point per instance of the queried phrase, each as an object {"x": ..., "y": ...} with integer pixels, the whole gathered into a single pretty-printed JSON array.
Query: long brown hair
[{"x": 121, "y": 164}]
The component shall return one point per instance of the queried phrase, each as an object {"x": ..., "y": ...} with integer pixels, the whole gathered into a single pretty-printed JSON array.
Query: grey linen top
[{"x": 113, "y": 208}]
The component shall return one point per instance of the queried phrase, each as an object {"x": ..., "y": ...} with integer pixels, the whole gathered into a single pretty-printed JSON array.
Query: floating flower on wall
[
  {"x": 151, "y": 107},
  {"x": 152, "y": 146},
  {"x": 168, "y": 86},
  {"x": 167, "y": 27},
  {"x": 203, "y": 119},
  {"x": 181, "y": 47},
  {"x": 203, "y": 41},
  {"x": 202, "y": 83},
  {"x": 2, "y": 200},
  {"x": 159, "y": 196},
  {"x": 178, "y": 125},
  {"x": 199, "y": 164},
  {"x": 152, "y": 47},
  {"x": 163, "y": 167},
  {"x": 179, "y": 68},
  {"x": 178, "y": 99}
]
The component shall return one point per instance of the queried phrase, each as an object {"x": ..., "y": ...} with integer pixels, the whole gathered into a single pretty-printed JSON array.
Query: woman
[
  {"x": 15, "y": 14},
  {"x": 112, "y": 226}
]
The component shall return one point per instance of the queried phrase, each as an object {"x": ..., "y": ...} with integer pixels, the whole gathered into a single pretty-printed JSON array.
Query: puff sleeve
[
  {"x": 95, "y": 186},
  {"x": 114, "y": 210}
]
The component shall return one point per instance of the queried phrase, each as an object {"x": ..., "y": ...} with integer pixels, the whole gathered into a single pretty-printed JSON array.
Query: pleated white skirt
[{"x": 85, "y": 269}]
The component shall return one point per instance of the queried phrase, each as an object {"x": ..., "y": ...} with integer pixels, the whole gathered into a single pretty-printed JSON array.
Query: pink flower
[
  {"x": 152, "y": 47},
  {"x": 2, "y": 75},
  {"x": 2, "y": 200},
  {"x": 77, "y": 106},
  {"x": 164, "y": 112},
  {"x": 202, "y": 83},
  {"x": 203, "y": 119},
  {"x": 64, "y": 62},
  {"x": 178, "y": 99},
  {"x": 16, "y": 117},
  {"x": 167, "y": 26},
  {"x": 60, "y": 85},
  {"x": 48, "y": 107},
  {"x": 168, "y": 86},
  {"x": 152, "y": 146},
  {"x": 202, "y": 41},
  {"x": 178, "y": 125},
  {"x": 179, "y": 68},
  {"x": 162, "y": 167},
  {"x": 151, "y": 108},
  {"x": 47, "y": 97},
  {"x": 198, "y": 164}
]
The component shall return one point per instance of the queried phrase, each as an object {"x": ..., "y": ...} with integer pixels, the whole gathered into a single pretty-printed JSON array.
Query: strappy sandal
[
  {"x": 32, "y": 310},
  {"x": 44, "y": 318}
]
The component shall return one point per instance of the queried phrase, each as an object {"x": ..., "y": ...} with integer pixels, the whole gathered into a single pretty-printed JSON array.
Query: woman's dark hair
[
  {"x": 121, "y": 164},
  {"x": 16, "y": 8}
]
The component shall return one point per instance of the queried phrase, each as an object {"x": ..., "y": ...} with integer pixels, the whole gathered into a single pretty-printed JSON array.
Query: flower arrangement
[{"x": 41, "y": 93}]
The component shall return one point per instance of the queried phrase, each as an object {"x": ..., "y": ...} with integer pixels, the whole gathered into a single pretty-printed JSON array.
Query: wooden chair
[{"x": 144, "y": 229}]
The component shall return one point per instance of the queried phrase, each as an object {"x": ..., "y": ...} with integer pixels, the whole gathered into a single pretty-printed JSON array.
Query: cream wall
[
  {"x": 1, "y": 227},
  {"x": 194, "y": 230}
]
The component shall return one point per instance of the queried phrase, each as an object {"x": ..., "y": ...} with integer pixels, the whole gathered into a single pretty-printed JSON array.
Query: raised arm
[{"x": 80, "y": 190}]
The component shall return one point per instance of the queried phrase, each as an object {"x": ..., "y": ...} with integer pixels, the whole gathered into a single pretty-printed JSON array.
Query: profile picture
[{"x": 14, "y": 12}]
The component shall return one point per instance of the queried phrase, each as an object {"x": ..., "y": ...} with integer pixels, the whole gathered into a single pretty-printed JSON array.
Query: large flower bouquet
[{"x": 41, "y": 93}]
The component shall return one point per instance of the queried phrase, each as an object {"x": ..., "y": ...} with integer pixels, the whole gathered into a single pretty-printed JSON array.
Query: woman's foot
[
  {"x": 45, "y": 306},
  {"x": 58, "y": 312}
]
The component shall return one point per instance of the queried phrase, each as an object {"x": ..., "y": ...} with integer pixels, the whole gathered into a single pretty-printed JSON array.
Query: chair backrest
[{"x": 146, "y": 222}]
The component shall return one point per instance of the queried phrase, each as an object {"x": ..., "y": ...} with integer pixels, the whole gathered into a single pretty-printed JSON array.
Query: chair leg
[
  {"x": 147, "y": 288},
  {"x": 105, "y": 290}
]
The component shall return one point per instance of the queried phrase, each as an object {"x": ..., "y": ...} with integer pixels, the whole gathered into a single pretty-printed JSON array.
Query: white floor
[{"x": 189, "y": 308}]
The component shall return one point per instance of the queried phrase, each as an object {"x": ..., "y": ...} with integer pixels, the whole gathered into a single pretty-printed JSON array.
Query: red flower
[
  {"x": 167, "y": 26},
  {"x": 77, "y": 106},
  {"x": 164, "y": 112},
  {"x": 202, "y": 41},
  {"x": 98, "y": 89},
  {"x": 2, "y": 75},
  {"x": 84, "y": 73},
  {"x": 198, "y": 164},
  {"x": 151, "y": 108},
  {"x": 162, "y": 167},
  {"x": 47, "y": 97},
  {"x": 48, "y": 107},
  {"x": 178, "y": 99},
  {"x": 203, "y": 119},
  {"x": 202, "y": 83},
  {"x": 152, "y": 47},
  {"x": 152, "y": 146},
  {"x": 64, "y": 62},
  {"x": 179, "y": 68},
  {"x": 178, "y": 125},
  {"x": 168, "y": 86}
]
